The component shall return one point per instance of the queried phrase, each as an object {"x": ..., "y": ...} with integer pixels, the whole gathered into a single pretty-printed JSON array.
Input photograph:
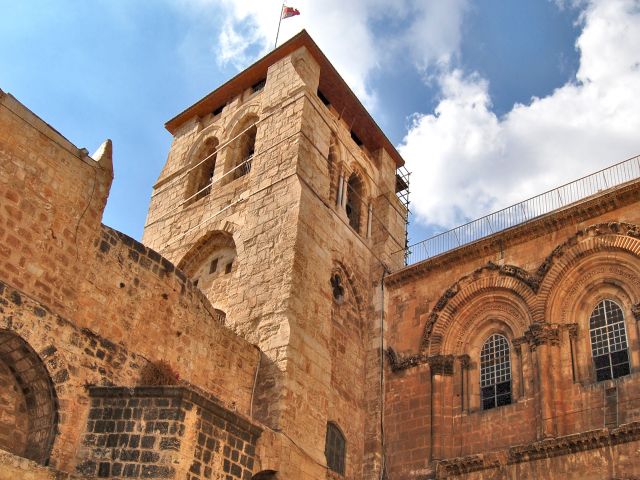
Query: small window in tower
[
  {"x": 256, "y": 87},
  {"x": 335, "y": 449},
  {"x": 201, "y": 176},
  {"x": 218, "y": 110},
  {"x": 228, "y": 267},
  {"x": 195, "y": 282},
  {"x": 247, "y": 149},
  {"x": 214, "y": 266},
  {"x": 323, "y": 99},
  {"x": 356, "y": 138},
  {"x": 354, "y": 201}
]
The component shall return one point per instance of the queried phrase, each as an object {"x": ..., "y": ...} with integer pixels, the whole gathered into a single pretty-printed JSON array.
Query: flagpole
[{"x": 279, "y": 22}]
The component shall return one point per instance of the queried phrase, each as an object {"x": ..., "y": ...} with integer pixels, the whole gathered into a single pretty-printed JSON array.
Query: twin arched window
[
  {"x": 495, "y": 372},
  {"x": 609, "y": 341},
  {"x": 609, "y": 349}
]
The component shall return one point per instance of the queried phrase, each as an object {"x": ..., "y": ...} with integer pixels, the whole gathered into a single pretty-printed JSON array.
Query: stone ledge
[
  {"x": 547, "y": 448},
  {"x": 207, "y": 402}
]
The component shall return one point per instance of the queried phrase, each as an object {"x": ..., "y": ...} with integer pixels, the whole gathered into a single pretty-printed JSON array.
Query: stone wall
[
  {"x": 81, "y": 298},
  {"x": 165, "y": 432},
  {"x": 537, "y": 285}
]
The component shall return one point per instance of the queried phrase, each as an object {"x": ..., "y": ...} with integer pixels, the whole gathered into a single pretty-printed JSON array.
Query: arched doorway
[{"x": 28, "y": 404}]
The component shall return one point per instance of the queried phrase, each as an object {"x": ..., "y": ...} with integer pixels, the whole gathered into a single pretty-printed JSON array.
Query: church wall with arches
[{"x": 520, "y": 349}]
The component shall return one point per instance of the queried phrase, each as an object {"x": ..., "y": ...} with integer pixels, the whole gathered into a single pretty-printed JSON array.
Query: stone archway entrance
[{"x": 28, "y": 405}]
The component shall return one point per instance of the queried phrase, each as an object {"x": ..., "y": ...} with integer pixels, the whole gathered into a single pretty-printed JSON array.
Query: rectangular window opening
[
  {"x": 256, "y": 87},
  {"x": 214, "y": 266},
  {"x": 218, "y": 110},
  {"x": 228, "y": 267},
  {"x": 323, "y": 99},
  {"x": 356, "y": 138}
]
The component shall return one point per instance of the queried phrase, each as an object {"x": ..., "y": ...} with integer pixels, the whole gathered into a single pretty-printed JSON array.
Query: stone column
[
  {"x": 441, "y": 396},
  {"x": 542, "y": 339}
]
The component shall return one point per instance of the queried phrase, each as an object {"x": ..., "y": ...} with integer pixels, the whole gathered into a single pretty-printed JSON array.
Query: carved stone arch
[
  {"x": 241, "y": 146},
  {"x": 212, "y": 131},
  {"x": 354, "y": 284},
  {"x": 490, "y": 277},
  {"x": 234, "y": 122},
  {"x": 485, "y": 307},
  {"x": 203, "y": 247},
  {"x": 588, "y": 259},
  {"x": 31, "y": 388}
]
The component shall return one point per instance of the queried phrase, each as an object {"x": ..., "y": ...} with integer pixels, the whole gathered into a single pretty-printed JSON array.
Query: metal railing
[{"x": 525, "y": 211}]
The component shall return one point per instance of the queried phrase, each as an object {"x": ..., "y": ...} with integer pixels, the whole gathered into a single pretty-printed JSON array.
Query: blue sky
[{"x": 489, "y": 101}]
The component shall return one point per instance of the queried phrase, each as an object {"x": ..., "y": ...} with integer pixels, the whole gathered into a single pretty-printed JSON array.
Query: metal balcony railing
[{"x": 522, "y": 212}]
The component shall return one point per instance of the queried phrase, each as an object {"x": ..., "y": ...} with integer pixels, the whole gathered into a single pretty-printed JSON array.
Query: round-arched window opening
[
  {"x": 609, "y": 346},
  {"x": 28, "y": 403},
  {"x": 337, "y": 288},
  {"x": 354, "y": 201},
  {"x": 495, "y": 372}
]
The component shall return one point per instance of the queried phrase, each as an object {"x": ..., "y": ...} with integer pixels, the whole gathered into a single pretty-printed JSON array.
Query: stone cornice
[
  {"x": 440, "y": 364},
  {"x": 548, "y": 448},
  {"x": 579, "y": 212}
]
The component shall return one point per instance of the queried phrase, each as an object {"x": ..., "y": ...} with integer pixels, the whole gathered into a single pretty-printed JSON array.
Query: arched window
[
  {"x": 354, "y": 201},
  {"x": 246, "y": 149},
  {"x": 495, "y": 372},
  {"x": 202, "y": 175},
  {"x": 335, "y": 449},
  {"x": 609, "y": 341}
]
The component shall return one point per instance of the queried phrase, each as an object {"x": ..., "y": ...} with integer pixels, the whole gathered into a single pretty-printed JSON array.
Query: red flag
[{"x": 289, "y": 12}]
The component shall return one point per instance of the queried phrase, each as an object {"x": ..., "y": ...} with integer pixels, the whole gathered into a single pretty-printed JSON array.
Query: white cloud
[
  {"x": 356, "y": 35},
  {"x": 468, "y": 162}
]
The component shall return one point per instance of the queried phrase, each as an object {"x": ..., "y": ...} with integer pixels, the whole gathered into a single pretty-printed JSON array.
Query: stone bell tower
[{"x": 278, "y": 199}]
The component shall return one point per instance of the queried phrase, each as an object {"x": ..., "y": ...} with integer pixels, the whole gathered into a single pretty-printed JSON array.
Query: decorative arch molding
[
  {"x": 484, "y": 308},
  {"x": 204, "y": 247},
  {"x": 212, "y": 131},
  {"x": 603, "y": 268},
  {"x": 536, "y": 289},
  {"x": 238, "y": 120},
  {"x": 486, "y": 278}
]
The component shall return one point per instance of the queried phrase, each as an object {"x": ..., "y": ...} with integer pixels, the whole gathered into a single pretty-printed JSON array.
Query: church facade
[{"x": 266, "y": 326}]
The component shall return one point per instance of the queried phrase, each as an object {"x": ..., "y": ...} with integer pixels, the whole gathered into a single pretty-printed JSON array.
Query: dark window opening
[
  {"x": 218, "y": 110},
  {"x": 195, "y": 282},
  {"x": 256, "y": 87},
  {"x": 203, "y": 172},
  {"x": 337, "y": 288},
  {"x": 354, "y": 201},
  {"x": 335, "y": 449},
  {"x": 228, "y": 267},
  {"x": 495, "y": 372},
  {"x": 356, "y": 138},
  {"x": 609, "y": 346},
  {"x": 323, "y": 99},
  {"x": 214, "y": 266},
  {"x": 247, "y": 150}
]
